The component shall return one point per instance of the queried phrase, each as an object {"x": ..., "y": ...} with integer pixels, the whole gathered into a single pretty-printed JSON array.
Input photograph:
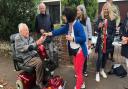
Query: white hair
[
  {"x": 83, "y": 9},
  {"x": 41, "y": 3},
  {"x": 22, "y": 25}
]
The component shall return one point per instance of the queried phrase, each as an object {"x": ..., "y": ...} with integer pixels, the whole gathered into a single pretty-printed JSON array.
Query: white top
[
  {"x": 73, "y": 44},
  {"x": 94, "y": 40}
]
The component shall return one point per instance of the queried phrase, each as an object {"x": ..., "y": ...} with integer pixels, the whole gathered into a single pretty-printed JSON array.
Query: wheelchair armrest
[
  {"x": 28, "y": 69},
  {"x": 19, "y": 65},
  {"x": 18, "y": 59}
]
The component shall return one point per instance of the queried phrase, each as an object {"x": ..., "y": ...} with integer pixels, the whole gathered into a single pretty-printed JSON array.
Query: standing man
[{"x": 43, "y": 23}]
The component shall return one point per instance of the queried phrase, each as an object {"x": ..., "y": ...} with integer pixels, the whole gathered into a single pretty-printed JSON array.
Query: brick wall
[{"x": 62, "y": 47}]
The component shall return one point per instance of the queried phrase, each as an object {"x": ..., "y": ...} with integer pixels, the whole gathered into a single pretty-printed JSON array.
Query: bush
[
  {"x": 91, "y": 6},
  {"x": 13, "y": 12}
]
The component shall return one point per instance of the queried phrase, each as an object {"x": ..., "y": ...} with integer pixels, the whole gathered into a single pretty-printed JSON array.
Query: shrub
[{"x": 13, "y": 12}]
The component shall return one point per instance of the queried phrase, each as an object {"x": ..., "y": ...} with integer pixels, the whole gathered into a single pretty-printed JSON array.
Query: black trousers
[
  {"x": 111, "y": 53},
  {"x": 101, "y": 61},
  {"x": 85, "y": 65}
]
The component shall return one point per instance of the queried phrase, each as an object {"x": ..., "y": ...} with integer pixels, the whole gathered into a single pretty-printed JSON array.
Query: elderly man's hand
[{"x": 40, "y": 40}]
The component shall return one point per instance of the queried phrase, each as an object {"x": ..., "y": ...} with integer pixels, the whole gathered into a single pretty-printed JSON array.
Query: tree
[
  {"x": 71, "y": 2},
  {"x": 13, "y": 12},
  {"x": 91, "y": 6}
]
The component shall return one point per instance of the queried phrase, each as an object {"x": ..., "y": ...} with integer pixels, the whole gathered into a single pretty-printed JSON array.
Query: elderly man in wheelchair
[{"x": 26, "y": 58}]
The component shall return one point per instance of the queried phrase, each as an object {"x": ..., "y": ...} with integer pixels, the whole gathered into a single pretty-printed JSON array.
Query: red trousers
[{"x": 78, "y": 67}]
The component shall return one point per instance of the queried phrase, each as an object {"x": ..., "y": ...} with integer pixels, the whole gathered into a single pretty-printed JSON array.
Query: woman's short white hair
[
  {"x": 83, "y": 9},
  {"x": 21, "y": 25}
]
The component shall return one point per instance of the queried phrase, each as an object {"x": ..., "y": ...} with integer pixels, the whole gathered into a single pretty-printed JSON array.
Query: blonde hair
[
  {"x": 106, "y": 5},
  {"x": 112, "y": 10}
]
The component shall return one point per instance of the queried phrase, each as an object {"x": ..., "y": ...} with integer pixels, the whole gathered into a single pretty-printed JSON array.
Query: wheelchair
[{"x": 27, "y": 77}]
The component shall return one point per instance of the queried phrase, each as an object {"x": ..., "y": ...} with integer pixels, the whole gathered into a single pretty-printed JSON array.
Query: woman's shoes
[
  {"x": 82, "y": 87},
  {"x": 98, "y": 77},
  {"x": 85, "y": 74},
  {"x": 102, "y": 73}
]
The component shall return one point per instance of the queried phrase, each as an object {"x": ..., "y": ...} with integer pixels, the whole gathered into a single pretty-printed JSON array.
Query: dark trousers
[
  {"x": 111, "y": 53},
  {"x": 49, "y": 48},
  {"x": 85, "y": 65},
  {"x": 101, "y": 61},
  {"x": 39, "y": 68}
]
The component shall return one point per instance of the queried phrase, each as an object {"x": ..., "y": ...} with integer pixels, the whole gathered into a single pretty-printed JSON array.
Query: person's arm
[
  {"x": 117, "y": 21},
  {"x": 57, "y": 32},
  {"x": 112, "y": 27},
  {"x": 89, "y": 28},
  {"x": 22, "y": 47},
  {"x": 122, "y": 34},
  {"x": 98, "y": 25},
  {"x": 60, "y": 31}
]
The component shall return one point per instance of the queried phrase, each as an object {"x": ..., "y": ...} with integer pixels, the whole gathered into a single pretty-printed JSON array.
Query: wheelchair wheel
[{"x": 19, "y": 84}]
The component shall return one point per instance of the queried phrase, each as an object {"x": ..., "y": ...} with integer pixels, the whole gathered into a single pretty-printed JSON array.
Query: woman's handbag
[
  {"x": 118, "y": 70},
  {"x": 73, "y": 52}
]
